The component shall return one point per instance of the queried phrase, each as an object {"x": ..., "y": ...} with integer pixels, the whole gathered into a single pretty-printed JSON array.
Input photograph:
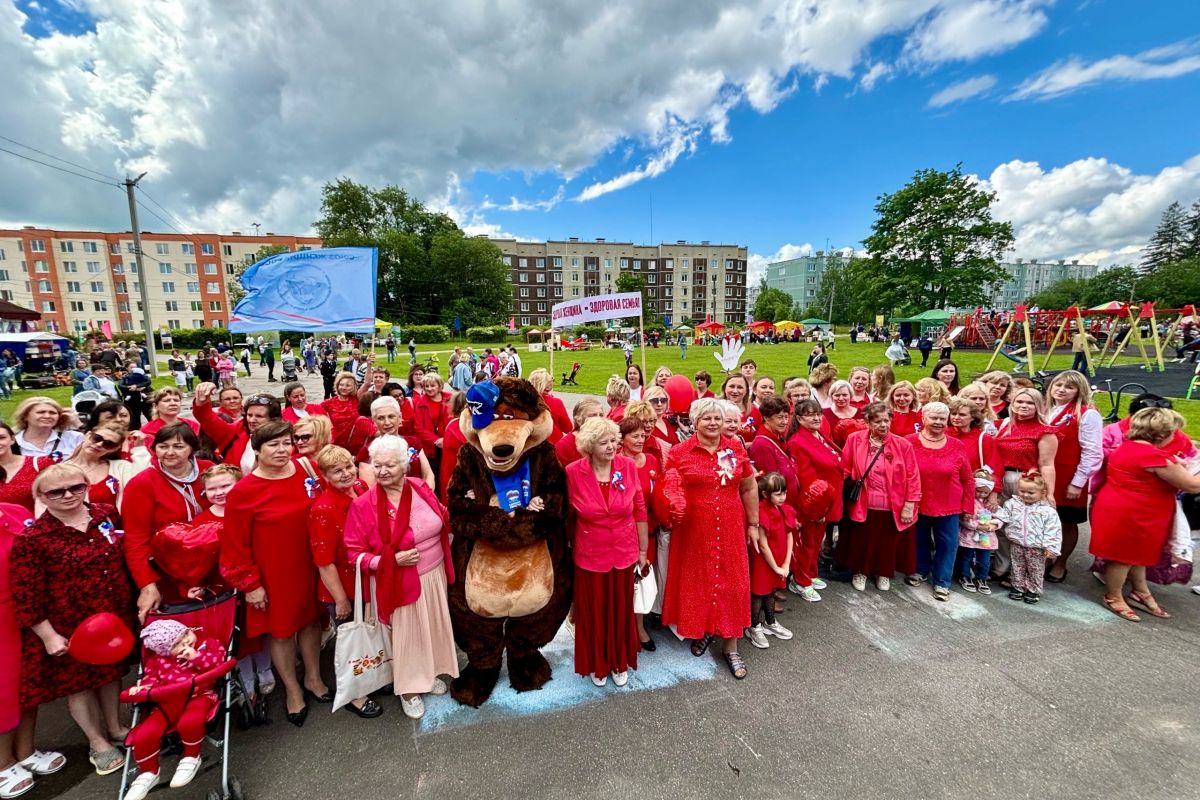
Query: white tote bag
[
  {"x": 362, "y": 659},
  {"x": 645, "y": 590}
]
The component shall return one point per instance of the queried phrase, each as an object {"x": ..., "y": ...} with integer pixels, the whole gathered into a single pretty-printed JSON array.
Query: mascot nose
[{"x": 503, "y": 450}]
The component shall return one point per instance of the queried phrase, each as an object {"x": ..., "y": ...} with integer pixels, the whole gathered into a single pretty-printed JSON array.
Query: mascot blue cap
[{"x": 481, "y": 402}]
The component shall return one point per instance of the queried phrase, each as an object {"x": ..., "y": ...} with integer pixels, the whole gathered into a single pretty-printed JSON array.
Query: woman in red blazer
[
  {"x": 452, "y": 442},
  {"x": 233, "y": 438},
  {"x": 878, "y": 532},
  {"x": 430, "y": 416},
  {"x": 816, "y": 458},
  {"x": 544, "y": 383},
  {"x": 608, "y": 518}
]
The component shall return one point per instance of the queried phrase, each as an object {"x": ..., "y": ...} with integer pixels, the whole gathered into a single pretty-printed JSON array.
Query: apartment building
[
  {"x": 684, "y": 281},
  {"x": 78, "y": 280}
]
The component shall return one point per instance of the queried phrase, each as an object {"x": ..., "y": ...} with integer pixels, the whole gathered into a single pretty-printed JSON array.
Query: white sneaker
[
  {"x": 413, "y": 709},
  {"x": 600, "y": 680},
  {"x": 621, "y": 678},
  {"x": 141, "y": 786},
  {"x": 859, "y": 582},
  {"x": 777, "y": 630},
  {"x": 439, "y": 687},
  {"x": 810, "y": 594},
  {"x": 185, "y": 771},
  {"x": 819, "y": 584},
  {"x": 794, "y": 587},
  {"x": 883, "y": 584},
  {"x": 1196, "y": 588},
  {"x": 758, "y": 637}
]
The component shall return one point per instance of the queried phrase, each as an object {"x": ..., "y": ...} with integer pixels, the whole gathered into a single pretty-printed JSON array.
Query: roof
[
  {"x": 13, "y": 311},
  {"x": 33, "y": 336}
]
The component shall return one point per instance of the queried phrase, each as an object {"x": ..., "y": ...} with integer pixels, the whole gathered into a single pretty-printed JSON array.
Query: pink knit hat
[{"x": 161, "y": 635}]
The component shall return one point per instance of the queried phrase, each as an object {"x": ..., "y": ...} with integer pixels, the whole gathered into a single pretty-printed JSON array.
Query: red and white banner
[{"x": 605, "y": 306}]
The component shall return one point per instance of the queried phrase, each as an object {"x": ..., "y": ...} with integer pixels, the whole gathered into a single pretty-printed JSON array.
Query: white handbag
[
  {"x": 362, "y": 659},
  {"x": 645, "y": 590}
]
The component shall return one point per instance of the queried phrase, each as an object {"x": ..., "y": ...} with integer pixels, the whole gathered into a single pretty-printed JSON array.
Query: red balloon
[
  {"x": 817, "y": 500},
  {"x": 680, "y": 393},
  {"x": 846, "y": 427},
  {"x": 187, "y": 552},
  {"x": 102, "y": 638}
]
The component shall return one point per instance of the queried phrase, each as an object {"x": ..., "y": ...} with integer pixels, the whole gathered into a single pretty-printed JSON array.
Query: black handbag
[{"x": 851, "y": 488}]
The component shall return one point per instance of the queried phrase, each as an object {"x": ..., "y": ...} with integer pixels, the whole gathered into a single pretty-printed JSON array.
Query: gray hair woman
[{"x": 403, "y": 530}]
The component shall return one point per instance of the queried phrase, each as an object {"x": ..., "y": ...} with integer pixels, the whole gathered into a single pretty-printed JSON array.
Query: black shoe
[
  {"x": 298, "y": 718},
  {"x": 649, "y": 646},
  {"x": 369, "y": 710},
  {"x": 322, "y": 699},
  {"x": 1016, "y": 594},
  {"x": 1032, "y": 597}
]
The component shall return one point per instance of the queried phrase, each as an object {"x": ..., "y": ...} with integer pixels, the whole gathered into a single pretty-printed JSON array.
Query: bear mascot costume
[{"x": 508, "y": 502}]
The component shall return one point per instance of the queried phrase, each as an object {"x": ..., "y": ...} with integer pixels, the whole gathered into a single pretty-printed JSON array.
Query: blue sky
[{"x": 774, "y": 123}]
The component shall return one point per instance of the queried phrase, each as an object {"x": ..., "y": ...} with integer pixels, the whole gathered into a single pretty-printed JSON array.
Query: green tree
[
  {"x": 854, "y": 292},
  {"x": 1172, "y": 285},
  {"x": 935, "y": 240},
  {"x": 464, "y": 281},
  {"x": 1191, "y": 230},
  {"x": 1169, "y": 242},
  {"x": 1114, "y": 283},
  {"x": 1059, "y": 295},
  {"x": 772, "y": 304},
  {"x": 233, "y": 283},
  {"x": 629, "y": 281}
]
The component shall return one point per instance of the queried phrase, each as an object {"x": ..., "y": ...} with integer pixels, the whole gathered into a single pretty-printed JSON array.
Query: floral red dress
[
  {"x": 65, "y": 575},
  {"x": 19, "y": 487},
  {"x": 708, "y": 584}
]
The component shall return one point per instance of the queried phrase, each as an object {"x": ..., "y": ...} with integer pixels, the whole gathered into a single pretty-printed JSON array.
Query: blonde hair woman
[
  {"x": 1079, "y": 456},
  {"x": 617, "y": 395},
  {"x": 543, "y": 381},
  {"x": 312, "y": 434},
  {"x": 931, "y": 390},
  {"x": 820, "y": 380},
  {"x": 901, "y": 400},
  {"x": 999, "y": 384},
  {"x": 99, "y": 456},
  {"x": 661, "y": 375},
  {"x": 1024, "y": 442},
  {"x": 44, "y": 428}
]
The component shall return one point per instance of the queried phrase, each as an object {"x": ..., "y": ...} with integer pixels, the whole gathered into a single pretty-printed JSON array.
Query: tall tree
[
  {"x": 1191, "y": 230},
  {"x": 1172, "y": 285},
  {"x": 1169, "y": 241},
  {"x": 476, "y": 287},
  {"x": 935, "y": 240},
  {"x": 629, "y": 281},
  {"x": 772, "y": 304}
]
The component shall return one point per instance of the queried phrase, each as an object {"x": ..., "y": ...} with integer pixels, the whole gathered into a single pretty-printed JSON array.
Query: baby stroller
[
  {"x": 569, "y": 380},
  {"x": 217, "y": 616},
  {"x": 290, "y": 364},
  {"x": 84, "y": 402}
]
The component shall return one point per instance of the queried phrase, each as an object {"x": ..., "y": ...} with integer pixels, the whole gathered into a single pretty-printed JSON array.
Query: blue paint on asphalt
[{"x": 671, "y": 664}]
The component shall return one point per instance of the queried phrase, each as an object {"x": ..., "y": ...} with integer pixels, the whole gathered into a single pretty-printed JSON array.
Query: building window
[
  {"x": 523, "y": 278},
  {"x": 119, "y": 286},
  {"x": 210, "y": 269},
  {"x": 4, "y": 275},
  {"x": 197, "y": 323},
  {"x": 47, "y": 305},
  {"x": 126, "y": 325},
  {"x": 212, "y": 287},
  {"x": 168, "y": 287},
  {"x": 6, "y": 294},
  {"x": 558, "y": 261},
  {"x": 558, "y": 291},
  {"x": 214, "y": 305},
  {"x": 115, "y": 248},
  {"x": 97, "y": 286},
  {"x": 541, "y": 262},
  {"x": 524, "y": 263},
  {"x": 89, "y": 247},
  {"x": 123, "y": 306},
  {"x": 524, "y": 292},
  {"x": 173, "y": 324},
  {"x": 196, "y": 305},
  {"x": 164, "y": 269},
  {"x": 188, "y": 249},
  {"x": 37, "y": 246},
  {"x": 73, "y": 286},
  {"x": 207, "y": 250},
  {"x": 40, "y": 266},
  {"x": 162, "y": 248},
  {"x": 43, "y": 286},
  {"x": 229, "y": 269},
  {"x": 118, "y": 268},
  {"x": 574, "y": 262},
  {"x": 541, "y": 277},
  {"x": 575, "y": 291},
  {"x": 216, "y": 323},
  {"x": 77, "y": 305},
  {"x": 189, "y": 269},
  {"x": 101, "y": 305},
  {"x": 193, "y": 286},
  {"x": 66, "y": 247},
  {"x": 651, "y": 279},
  {"x": 225, "y": 249},
  {"x": 93, "y": 266},
  {"x": 541, "y": 292},
  {"x": 70, "y": 266},
  {"x": 172, "y": 305},
  {"x": 524, "y": 306}
]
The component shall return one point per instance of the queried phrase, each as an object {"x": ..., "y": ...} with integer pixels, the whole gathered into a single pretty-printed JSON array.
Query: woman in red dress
[
  {"x": 1024, "y": 442},
  {"x": 901, "y": 399},
  {"x": 1134, "y": 508},
  {"x": 17, "y": 471},
  {"x": 232, "y": 439},
  {"x": 860, "y": 385},
  {"x": 430, "y": 416},
  {"x": 966, "y": 425},
  {"x": 841, "y": 409},
  {"x": 342, "y": 410},
  {"x": 736, "y": 389},
  {"x": 544, "y": 383},
  {"x": 326, "y": 532},
  {"x": 66, "y": 567},
  {"x": 768, "y": 453},
  {"x": 100, "y": 459},
  {"x": 265, "y": 554},
  {"x": 169, "y": 491},
  {"x": 609, "y": 541},
  {"x": 816, "y": 458},
  {"x": 616, "y": 394},
  {"x": 649, "y": 469},
  {"x": 713, "y": 500},
  {"x": 297, "y": 406},
  {"x": 1079, "y": 456},
  {"x": 168, "y": 403},
  {"x": 664, "y": 431}
]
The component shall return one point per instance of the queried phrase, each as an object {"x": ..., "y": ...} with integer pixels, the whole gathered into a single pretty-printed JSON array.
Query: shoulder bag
[{"x": 852, "y": 488}]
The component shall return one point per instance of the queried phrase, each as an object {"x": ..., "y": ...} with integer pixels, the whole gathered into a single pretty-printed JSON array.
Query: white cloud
[
  {"x": 960, "y": 31},
  {"x": 235, "y": 109},
  {"x": 756, "y": 264},
  {"x": 962, "y": 90},
  {"x": 1073, "y": 74},
  {"x": 1090, "y": 209},
  {"x": 516, "y": 204},
  {"x": 875, "y": 73}
]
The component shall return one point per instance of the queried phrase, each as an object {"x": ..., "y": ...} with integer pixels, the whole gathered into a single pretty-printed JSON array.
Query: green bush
[
  {"x": 426, "y": 334},
  {"x": 595, "y": 333},
  {"x": 481, "y": 335}
]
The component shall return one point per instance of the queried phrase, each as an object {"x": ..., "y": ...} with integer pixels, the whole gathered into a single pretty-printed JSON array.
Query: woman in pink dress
[{"x": 714, "y": 510}]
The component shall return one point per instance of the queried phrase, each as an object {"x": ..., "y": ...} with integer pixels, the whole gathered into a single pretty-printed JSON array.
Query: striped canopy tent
[{"x": 1110, "y": 306}]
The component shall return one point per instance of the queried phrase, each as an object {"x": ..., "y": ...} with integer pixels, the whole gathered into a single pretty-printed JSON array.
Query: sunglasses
[
  {"x": 659, "y": 401},
  {"x": 260, "y": 400},
  {"x": 107, "y": 444},
  {"x": 59, "y": 494},
  {"x": 301, "y": 438}
]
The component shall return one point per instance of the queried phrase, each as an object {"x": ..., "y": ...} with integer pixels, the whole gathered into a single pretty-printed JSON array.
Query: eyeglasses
[
  {"x": 59, "y": 494},
  {"x": 658, "y": 401},
  {"x": 107, "y": 444},
  {"x": 260, "y": 400},
  {"x": 301, "y": 438}
]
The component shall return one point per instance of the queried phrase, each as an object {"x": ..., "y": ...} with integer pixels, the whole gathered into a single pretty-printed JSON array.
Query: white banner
[{"x": 590, "y": 309}]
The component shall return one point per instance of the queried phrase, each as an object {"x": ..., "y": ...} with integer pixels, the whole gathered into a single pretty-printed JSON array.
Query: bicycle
[{"x": 1114, "y": 398}]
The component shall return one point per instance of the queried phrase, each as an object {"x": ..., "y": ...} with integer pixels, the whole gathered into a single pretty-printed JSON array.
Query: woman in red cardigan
[
  {"x": 947, "y": 492},
  {"x": 298, "y": 407},
  {"x": 544, "y": 383},
  {"x": 169, "y": 491},
  {"x": 266, "y": 555},
  {"x": 878, "y": 533},
  {"x": 402, "y": 529},
  {"x": 452, "y": 442},
  {"x": 430, "y": 416},
  {"x": 608, "y": 521},
  {"x": 816, "y": 458},
  {"x": 233, "y": 438},
  {"x": 768, "y": 451}
]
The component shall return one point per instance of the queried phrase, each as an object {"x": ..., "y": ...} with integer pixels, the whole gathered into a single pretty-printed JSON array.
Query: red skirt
[
  {"x": 606, "y": 637},
  {"x": 875, "y": 548}
]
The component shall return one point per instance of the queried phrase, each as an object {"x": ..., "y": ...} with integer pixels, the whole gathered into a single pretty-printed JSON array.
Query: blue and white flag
[{"x": 329, "y": 289}]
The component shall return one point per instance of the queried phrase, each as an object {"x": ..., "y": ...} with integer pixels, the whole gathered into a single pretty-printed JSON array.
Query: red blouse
[
  {"x": 1017, "y": 443},
  {"x": 152, "y": 502},
  {"x": 326, "y": 529},
  {"x": 155, "y": 425},
  {"x": 19, "y": 487},
  {"x": 947, "y": 485}
]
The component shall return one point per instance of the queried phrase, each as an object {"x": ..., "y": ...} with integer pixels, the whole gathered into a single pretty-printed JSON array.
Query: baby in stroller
[{"x": 181, "y": 665}]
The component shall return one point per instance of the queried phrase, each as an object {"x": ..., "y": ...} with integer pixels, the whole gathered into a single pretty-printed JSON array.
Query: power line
[
  {"x": 162, "y": 209},
  {"x": 57, "y": 158},
  {"x": 60, "y": 169},
  {"x": 152, "y": 213}
]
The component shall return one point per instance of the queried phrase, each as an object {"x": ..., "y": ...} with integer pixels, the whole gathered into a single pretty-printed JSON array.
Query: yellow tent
[
  {"x": 786, "y": 325},
  {"x": 382, "y": 325}
]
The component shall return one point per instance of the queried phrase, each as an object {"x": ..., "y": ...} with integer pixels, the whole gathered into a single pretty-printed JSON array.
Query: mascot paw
[
  {"x": 474, "y": 686},
  {"x": 526, "y": 673}
]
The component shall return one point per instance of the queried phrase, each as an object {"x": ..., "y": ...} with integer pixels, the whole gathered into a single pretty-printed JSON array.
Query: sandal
[
  {"x": 737, "y": 667},
  {"x": 44, "y": 763},
  {"x": 700, "y": 646},
  {"x": 106, "y": 762},
  {"x": 1052, "y": 578},
  {"x": 15, "y": 781},
  {"x": 1121, "y": 609},
  {"x": 1148, "y": 604}
]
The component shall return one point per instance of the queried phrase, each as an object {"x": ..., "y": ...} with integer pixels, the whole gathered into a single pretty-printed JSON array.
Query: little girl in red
[
  {"x": 769, "y": 567},
  {"x": 178, "y": 654}
]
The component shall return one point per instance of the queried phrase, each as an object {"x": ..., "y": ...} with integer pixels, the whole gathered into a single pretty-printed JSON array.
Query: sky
[{"x": 773, "y": 124}]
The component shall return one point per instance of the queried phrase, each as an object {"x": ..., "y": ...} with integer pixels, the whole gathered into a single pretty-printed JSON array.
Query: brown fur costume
[{"x": 514, "y": 589}]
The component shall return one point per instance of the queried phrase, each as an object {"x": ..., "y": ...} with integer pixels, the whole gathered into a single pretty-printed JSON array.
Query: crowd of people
[{"x": 715, "y": 501}]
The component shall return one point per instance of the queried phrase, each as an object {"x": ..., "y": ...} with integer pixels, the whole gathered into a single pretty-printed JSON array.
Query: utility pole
[{"x": 130, "y": 185}]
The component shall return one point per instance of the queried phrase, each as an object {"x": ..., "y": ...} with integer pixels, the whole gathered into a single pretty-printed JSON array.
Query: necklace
[
  {"x": 876, "y": 443},
  {"x": 930, "y": 439}
]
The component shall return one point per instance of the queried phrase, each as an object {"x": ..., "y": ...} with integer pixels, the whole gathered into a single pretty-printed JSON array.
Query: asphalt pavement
[{"x": 878, "y": 695}]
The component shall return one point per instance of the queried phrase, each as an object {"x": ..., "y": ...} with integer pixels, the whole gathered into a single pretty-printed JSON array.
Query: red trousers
[
  {"x": 805, "y": 549},
  {"x": 146, "y": 738}
]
